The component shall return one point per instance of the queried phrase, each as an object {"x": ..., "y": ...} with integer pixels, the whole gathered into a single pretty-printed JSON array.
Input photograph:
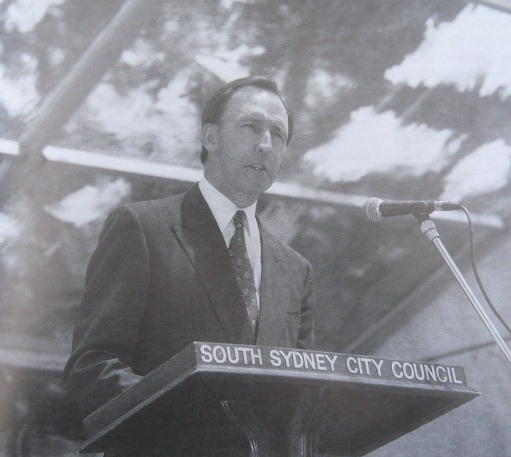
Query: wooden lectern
[{"x": 233, "y": 400}]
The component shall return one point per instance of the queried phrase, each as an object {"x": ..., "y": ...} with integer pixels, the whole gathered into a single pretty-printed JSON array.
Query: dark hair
[{"x": 215, "y": 105}]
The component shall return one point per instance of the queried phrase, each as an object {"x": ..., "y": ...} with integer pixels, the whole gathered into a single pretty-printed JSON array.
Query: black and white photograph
[{"x": 255, "y": 228}]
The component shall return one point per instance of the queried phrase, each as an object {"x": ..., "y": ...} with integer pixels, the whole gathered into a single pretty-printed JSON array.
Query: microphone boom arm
[{"x": 428, "y": 228}]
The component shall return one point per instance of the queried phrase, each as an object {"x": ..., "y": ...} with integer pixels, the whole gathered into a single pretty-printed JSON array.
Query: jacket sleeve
[
  {"x": 306, "y": 338},
  {"x": 112, "y": 307}
]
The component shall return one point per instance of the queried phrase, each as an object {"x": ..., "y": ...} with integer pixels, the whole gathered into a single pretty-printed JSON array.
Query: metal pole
[
  {"x": 429, "y": 229},
  {"x": 71, "y": 92}
]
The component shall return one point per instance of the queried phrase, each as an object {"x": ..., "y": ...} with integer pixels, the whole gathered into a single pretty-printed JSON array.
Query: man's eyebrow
[{"x": 252, "y": 116}]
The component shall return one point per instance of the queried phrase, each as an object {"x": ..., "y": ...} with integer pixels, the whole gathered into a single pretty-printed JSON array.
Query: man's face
[{"x": 247, "y": 145}]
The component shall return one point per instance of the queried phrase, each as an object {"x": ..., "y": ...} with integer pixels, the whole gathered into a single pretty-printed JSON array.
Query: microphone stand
[{"x": 428, "y": 228}]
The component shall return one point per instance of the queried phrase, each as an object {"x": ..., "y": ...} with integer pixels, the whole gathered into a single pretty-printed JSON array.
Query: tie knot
[{"x": 238, "y": 218}]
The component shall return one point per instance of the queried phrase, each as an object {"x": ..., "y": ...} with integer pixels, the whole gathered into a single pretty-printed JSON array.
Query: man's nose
[{"x": 265, "y": 143}]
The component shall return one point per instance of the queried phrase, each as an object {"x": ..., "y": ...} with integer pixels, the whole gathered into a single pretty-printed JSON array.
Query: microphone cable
[{"x": 476, "y": 273}]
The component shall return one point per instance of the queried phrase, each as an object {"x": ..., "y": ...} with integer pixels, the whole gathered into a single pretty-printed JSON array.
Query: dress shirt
[{"x": 224, "y": 210}]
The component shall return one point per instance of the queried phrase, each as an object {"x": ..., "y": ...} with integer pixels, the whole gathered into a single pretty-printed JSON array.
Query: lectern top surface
[{"x": 355, "y": 394}]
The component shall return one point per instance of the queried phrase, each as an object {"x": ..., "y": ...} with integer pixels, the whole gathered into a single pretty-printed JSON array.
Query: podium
[{"x": 213, "y": 400}]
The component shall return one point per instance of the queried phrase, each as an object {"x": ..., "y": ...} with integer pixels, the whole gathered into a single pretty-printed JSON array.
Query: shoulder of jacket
[
  {"x": 147, "y": 214},
  {"x": 284, "y": 249},
  {"x": 151, "y": 207}
]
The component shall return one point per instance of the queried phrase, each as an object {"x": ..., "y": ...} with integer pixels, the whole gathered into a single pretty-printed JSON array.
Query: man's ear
[{"x": 209, "y": 137}]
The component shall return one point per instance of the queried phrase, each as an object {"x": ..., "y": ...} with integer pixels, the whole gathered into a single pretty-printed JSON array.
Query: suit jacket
[{"x": 160, "y": 279}]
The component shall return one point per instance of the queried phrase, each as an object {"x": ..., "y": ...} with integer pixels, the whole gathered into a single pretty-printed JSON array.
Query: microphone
[{"x": 376, "y": 209}]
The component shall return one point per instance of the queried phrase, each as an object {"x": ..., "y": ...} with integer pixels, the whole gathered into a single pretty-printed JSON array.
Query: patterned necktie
[{"x": 243, "y": 270}]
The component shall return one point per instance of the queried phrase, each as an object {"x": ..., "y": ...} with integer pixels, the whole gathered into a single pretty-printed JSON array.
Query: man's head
[
  {"x": 215, "y": 105},
  {"x": 246, "y": 126}
]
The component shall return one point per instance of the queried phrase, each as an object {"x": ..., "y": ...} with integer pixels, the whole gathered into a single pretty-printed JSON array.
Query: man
[{"x": 172, "y": 271}]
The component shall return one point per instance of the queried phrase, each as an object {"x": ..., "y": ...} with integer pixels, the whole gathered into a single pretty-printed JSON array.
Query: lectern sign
[
  {"x": 324, "y": 363},
  {"x": 216, "y": 399}
]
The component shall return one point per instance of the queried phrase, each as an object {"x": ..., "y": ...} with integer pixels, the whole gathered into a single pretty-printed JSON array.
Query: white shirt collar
[{"x": 224, "y": 209}]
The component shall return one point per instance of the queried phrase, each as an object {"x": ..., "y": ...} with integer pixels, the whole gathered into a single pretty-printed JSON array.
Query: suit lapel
[
  {"x": 205, "y": 246},
  {"x": 272, "y": 300}
]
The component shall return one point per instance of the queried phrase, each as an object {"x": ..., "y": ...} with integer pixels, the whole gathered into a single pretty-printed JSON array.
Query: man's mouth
[{"x": 258, "y": 167}]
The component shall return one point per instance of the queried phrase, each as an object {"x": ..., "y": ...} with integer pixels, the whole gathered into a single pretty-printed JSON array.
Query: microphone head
[{"x": 372, "y": 209}]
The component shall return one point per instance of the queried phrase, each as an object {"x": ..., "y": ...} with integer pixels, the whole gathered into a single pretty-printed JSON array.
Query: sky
[
  {"x": 472, "y": 52},
  {"x": 373, "y": 141},
  {"x": 24, "y": 15},
  {"x": 89, "y": 203}
]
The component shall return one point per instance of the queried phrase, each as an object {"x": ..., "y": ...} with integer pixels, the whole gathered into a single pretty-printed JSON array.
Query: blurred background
[{"x": 405, "y": 99}]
